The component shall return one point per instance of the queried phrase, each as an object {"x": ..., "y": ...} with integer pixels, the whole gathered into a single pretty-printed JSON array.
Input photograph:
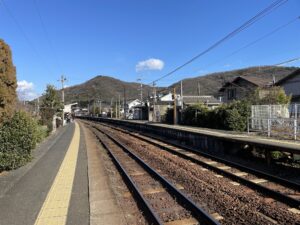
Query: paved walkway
[{"x": 53, "y": 188}]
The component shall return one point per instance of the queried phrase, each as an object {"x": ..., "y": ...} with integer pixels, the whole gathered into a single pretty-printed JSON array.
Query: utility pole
[
  {"x": 181, "y": 98},
  {"x": 198, "y": 83},
  {"x": 141, "y": 89},
  {"x": 94, "y": 108},
  {"x": 116, "y": 109},
  {"x": 154, "y": 100},
  {"x": 62, "y": 80},
  {"x": 111, "y": 107},
  {"x": 100, "y": 107},
  {"x": 119, "y": 104},
  {"x": 175, "y": 108},
  {"x": 124, "y": 103}
]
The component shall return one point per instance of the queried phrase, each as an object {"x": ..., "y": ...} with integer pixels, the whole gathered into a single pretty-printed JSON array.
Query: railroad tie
[
  {"x": 294, "y": 210},
  {"x": 224, "y": 167},
  {"x": 234, "y": 183},
  {"x": 211, "y": 162},
  {"x": 217, "y": 216},
  {"x": 137, "y": 173},
  {"x": 189, "y": 221},
  {"x": 241, "y": 174},
  {"x": 218, "y": 176},
  {"x": 258, "y": 181}
]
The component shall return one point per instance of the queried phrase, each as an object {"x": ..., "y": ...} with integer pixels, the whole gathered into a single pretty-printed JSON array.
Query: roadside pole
[
  {"x": 174, "y": 108},
  {"x": 62, "y": 80}
]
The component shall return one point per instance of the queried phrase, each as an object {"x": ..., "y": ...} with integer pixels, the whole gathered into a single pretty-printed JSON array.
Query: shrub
[
  {"x": 236, "y": 116},
  {"x": 42, "y": 133},
  {"x": 18, "y": 136},
  {"x": 231, "y": 116},
  {"x": 195, "y": 115}
]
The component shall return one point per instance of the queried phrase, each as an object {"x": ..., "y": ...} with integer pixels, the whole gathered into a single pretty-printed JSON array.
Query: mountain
[
  {"x": 211, "y": 83},
  {"x": 104, "y": 88}
]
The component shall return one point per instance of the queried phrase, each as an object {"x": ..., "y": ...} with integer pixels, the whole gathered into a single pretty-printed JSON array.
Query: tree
[
  {"x": 50, "y": 106},
  {"x": 8, "y": 82},
  {"x": 271, "y": 96}
]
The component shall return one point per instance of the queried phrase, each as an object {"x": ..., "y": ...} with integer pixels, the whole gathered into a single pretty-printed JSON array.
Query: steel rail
[
  {"x": 275, "y": 179},
  {"x": 142, "y": 202},
  {"x": 197, "y": 212},
  {"x": 260, "y": 188}
]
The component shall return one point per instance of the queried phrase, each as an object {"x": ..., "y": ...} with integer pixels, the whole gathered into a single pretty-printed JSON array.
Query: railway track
[
  {"x": 162, "y": 201},
  {"x": 290, "y": 198},
  {"x": 282, "y": 190}
]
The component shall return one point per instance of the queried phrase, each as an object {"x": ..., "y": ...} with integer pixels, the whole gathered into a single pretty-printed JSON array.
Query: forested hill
[{"x": 106, "y": 88}]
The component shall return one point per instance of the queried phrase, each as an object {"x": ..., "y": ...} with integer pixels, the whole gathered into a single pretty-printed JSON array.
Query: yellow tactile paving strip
[{"x": 55, "y": 207}]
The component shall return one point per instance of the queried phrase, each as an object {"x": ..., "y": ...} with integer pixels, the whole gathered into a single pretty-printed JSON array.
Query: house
[
  {"x": 69, "y": 108},
  {"x": 133, "y": 103},
  {"x": 291, "y": 85},
  {"x": 159, "y": 108},
  {"x": 243, "y": 86},
  {"x": 135, "y": 109},
  {"x": 168, "y": 97}
]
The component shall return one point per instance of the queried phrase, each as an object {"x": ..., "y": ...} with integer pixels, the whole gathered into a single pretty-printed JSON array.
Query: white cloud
[
  {"x": 149, "y": 64},
  {"x": 26, "y": 90},
  {"x": 24, "y": 85}
]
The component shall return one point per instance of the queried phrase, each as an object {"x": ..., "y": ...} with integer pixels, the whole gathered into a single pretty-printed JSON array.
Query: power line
[
  {"x": 288, "y": 61},
  {"x": 47, "y": 35},
  {"x": 31, "y": 45},
  {"x": 257, "y": 40},
  {"x": 245, "y": 74},
  {"x": 244, "y": 26}
]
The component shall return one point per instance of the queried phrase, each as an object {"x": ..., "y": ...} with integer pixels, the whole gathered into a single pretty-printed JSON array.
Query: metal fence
[{"x": 280, "y": 121}]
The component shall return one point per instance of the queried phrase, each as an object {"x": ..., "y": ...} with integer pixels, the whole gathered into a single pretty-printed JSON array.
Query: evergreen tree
[
  {"x": 50, "y": 105},
  {"x": 8, "y": 82}
]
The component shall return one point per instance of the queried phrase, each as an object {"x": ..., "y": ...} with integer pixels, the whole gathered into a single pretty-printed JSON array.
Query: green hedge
[
  {"x": 231, "y": 116},
  {"x": 18, "y": 136}
]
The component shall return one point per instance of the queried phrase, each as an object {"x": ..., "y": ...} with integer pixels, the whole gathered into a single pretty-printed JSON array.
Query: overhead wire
[
  {"x": 163, "y": 90},
  {"x": 29, "y": 42},
  {"x": 244, "y": 26},
  {"x": 51, "y": 46},
  {"x": 257, "y": 40}
]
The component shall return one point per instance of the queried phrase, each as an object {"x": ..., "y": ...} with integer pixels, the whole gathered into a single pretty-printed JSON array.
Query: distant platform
[{"x": 240, "y": 138}]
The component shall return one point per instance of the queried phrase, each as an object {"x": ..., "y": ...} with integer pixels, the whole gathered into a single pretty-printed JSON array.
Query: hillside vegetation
[{"x": 105, "y": 87}]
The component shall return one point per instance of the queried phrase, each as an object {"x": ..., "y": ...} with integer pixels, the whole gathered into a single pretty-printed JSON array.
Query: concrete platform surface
[
  {"x": 53, "y": 188},
  {"x": 104, "y": 209}
]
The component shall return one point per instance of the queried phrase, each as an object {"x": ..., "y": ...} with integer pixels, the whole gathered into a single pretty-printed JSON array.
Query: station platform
[
  {"x": 291, "y": 146},
  {"x": 63, "y": 184}
]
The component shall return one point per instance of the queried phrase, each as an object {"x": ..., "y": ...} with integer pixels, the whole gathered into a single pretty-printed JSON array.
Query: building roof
[
  {"x": 257, "y": 81},
  {"x": 207, "y": 99},
  {"x": 292, "y": 75}
]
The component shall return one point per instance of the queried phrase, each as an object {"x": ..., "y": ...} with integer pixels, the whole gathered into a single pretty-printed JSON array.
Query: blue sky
[{"x": 82, "y": 39}]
